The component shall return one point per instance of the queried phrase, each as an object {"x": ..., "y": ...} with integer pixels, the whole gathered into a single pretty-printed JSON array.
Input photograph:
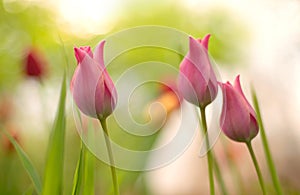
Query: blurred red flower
[{"x": 35, "y": 63}]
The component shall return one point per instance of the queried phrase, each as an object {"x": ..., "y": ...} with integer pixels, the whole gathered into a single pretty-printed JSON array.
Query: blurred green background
[{"x": 53, "y": 28}]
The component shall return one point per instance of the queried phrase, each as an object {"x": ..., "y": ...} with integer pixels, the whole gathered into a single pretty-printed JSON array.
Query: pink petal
[
  {"x": 88, "y": 50},
  {"x": 253, "y": 127},
  {"x": 85, "y": 85},
  {"x": 235, "y": 116},
  {"x": 79, "y": 54},
  {"x": 205, "y": 40},
  {"x": 99, "y": 53},
  {"x": 199, "y": 57},
  {"x": 238, "y": 88},
  {"x": 191, "y": 83}
]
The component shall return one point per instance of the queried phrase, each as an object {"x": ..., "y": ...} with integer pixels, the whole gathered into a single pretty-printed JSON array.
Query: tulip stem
[
  {"x": 259, "y": 175},
  {"x": 266, "y": 146},
  {"x": 209, "y": 154},
  {"x": 110, "y": 156},
  {"x": 219, "y": 176}
]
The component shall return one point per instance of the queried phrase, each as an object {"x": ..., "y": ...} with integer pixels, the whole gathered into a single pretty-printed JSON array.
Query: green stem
[
  {"x": 110, "y": 155},
  {"x": 265, "y": 143},
  {"x": 209, "y": 154},
  {"x": 219, "y": 176},
  {"x": 260, "y": 178}
]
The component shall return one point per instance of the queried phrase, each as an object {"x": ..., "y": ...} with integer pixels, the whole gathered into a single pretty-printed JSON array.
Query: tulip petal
[
  {"x": 99, "y": 51},
  {"x": 73, "y": 79},
  {"x": 198, "y": 56},
  {"x": 87, "y": 49},
  {"x": 253, "y": 127},
  {"x": 85, "y": 84},
  {"x": 238, "y": 88},
  {"x": 235, "y": 118},
  {"x": 205, "y": 40},
  {"x": 108, "y": 86},
  {"x": 79, "y": 54}
]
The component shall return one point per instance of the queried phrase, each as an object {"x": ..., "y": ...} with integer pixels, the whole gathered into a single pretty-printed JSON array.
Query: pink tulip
[
  {"x": 238, "y": 118},
  {"x": 92, "y": 88},
  {"x": 197, "y": 81}
]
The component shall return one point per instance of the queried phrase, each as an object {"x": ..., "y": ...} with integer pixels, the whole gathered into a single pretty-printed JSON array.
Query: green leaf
[
  {"x": 84, "y": 172},
  {"x": 265, "y": 144},
  {"x": 29, "y": 191},
  {"x": 27, "y": 164},
  {"x": 53, "y": 178},
  {"x": 78, "y": 172},
  {"x": 89, "y": 166}
]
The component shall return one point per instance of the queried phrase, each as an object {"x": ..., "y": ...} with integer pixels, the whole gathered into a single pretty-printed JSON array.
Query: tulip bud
[
  {"x": 238, "y": 118},
  {"x": 35, "y": 64},
  {"x": 91, "y": 86},
  {"x": 197, "y": 81}
]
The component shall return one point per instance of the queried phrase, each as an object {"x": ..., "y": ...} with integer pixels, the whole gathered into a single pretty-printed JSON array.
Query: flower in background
[
  {"x": 6, "y": 108},
  {"x": 197, "y": 81},
  {"x": 169, "y": 96},
  {"x": 92, "y": 88},
  {"x": 35, "y": 63},
  {"x": 238, "y": 118},
  {"x": 7, "y": 145}
]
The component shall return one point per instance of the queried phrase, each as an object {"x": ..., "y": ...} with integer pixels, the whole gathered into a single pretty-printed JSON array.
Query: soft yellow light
[{"x": 83, "y": 17}]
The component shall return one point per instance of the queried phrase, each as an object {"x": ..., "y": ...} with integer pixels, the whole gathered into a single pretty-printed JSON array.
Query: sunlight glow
[{"x": 82, "y": 17}]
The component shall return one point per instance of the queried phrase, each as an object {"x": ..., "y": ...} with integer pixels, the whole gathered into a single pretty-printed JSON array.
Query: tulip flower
[
  {"x": 35, "y": 65},
  {"x": 238, "y": 118},
  {"x": 94, "y": 92},
  {"x": 92, "y": 88},
  {"x": 197, "y": 81}
]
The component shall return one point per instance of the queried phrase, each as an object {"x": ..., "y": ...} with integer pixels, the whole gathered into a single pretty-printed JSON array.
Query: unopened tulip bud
[
  {"x": 197, "y": 81},
  {"x": 92, "y": 88},
  {"x": 238, "y": 118}
]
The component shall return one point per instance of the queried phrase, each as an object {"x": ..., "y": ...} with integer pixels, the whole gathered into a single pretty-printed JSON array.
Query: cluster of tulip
[{"x": 96, "y": 96}]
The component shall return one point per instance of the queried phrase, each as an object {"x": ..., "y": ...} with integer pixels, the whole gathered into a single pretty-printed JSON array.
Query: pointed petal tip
[
  {"x": 99, "y": 53},
  {"x": 237, "y": 83},
  {"x": 205, "y": 40},
  {"x": 207, "y": 36},
  {"x": 101, "y": 44},
  {"x": 77, "y": 54}
]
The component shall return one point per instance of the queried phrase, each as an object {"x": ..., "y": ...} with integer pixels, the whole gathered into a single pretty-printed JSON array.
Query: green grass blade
[
  {"x": 27, "y": 164},
  {"x": 78, "y": 172},
  {"x": 53, "y": 178},
  {"x": 89, "y": 164},
  {"x": 89, "y": 173},
  {"x": 29, "y": 191},
  {"x": 265, "y": 143}
]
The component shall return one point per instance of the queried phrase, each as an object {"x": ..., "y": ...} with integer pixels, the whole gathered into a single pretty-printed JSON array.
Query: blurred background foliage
[{"x": 37, "y": 24}]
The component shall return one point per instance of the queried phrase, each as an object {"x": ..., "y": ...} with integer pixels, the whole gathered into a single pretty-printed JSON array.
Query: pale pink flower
[
  {"x": 238, "y": 118},
  {"x": 92, "y": 88},
  {"x": 197, "y": 81}
]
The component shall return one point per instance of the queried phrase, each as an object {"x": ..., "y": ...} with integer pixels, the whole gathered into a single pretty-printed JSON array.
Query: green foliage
[
  {"x": 30, "y": 169},
  {"x": 53, "y": 179},
  {"x": 78, "y": 176}
]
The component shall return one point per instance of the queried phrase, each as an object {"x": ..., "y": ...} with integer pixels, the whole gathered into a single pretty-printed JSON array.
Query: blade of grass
[
  {"x": 88, "y": 173},
  {"x": 27, "y": 164},
  {"x": 77, "y": 181},
  {"x": 53, "y": 177},
  {"x": 265, "y": 143},
  {"x": 29, "y": 190},
  {"x": 89, "y": 164}
]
